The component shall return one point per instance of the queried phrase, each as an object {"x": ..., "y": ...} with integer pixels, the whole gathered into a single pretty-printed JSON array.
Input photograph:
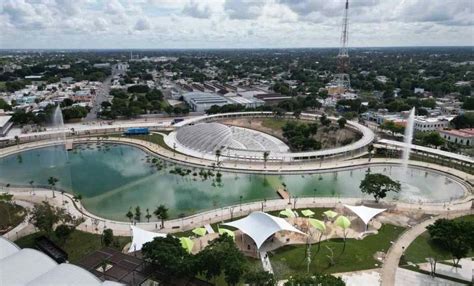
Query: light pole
[{"x": 241, "y": 203}]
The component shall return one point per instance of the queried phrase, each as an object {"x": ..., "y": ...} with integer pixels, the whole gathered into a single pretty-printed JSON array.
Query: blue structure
[{"x": 137, "y": 131}]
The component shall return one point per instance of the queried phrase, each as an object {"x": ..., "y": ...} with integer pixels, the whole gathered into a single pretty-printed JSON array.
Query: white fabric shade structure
[
  {"x": 141, "y": 236},
  {"x": 365, "y": 213},
  {"x": 260, "y": 226},
  {"x": 31, "y": 267}
]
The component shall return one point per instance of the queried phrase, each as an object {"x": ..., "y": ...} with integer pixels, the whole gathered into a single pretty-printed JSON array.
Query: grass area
[
  {"x": 10, "y": 216},
  {"x": 275, "y": 123},
  {"x": 422, "y": 247},
  {"x": 78, "y": 245},
  {"x": 358, "y": 255},
  {"x": 2, "y": 86}
]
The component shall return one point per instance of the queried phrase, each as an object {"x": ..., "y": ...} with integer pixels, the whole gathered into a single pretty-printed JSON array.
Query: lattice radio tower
[{"x": 342, "y": 77}]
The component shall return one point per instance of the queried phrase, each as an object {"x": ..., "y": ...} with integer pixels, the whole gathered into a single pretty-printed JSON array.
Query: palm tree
[
  {"x": 218, "y": 155},
  {"x": 265, "y": 158},
  {"x": 148, "y": 215},
  {"x": 129, "y": 214},
  {"x": 370, "y": 148},
  {"x": 138, "y": 214},
  {"x": 31, "y": 185},
  {"x": 52, "y": 183},
  {"x": 161, "y": 213}
]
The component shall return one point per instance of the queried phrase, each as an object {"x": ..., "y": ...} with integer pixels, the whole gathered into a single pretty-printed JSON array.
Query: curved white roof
[
  {"x": 140, "y": 237},
  {"x": 66, "y": 274},
  {"x": 24, "y": 266},
  {"x": 365, "y": 213},
  {"x": 7, "y": 247},
  {"x": 34, "y": 268},
  {"x": 205, "y": 137},
  {"x": 260, "y": 226}
]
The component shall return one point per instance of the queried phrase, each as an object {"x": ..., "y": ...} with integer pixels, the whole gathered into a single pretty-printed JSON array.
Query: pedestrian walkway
[
  {"x": 406, "y": 277},
  {"x": 267, "y": 266},
  {"x": 392, "y": 259},
  {"x": 209, "y": 228}
]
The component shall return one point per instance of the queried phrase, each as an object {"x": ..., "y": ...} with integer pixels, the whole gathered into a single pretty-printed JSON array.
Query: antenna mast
[{"x": 342, "y": 77}]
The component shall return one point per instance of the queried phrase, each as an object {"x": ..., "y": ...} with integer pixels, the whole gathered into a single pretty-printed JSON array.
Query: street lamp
[{"x": 241, "y": 203}]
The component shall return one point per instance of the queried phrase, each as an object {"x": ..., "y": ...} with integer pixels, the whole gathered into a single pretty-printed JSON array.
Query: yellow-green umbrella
[
  {"x": 308, "y": 213},
  {"x": 227, "y": 231},
  {"x": 330, "y": 214},
  {"x": 287, "y": 213},
  {"x": 186, "y": 243},
  {"x": 342, "y": 222},
  {"x": 317, "y": 224},
  {"x": 201, "y": 231}
]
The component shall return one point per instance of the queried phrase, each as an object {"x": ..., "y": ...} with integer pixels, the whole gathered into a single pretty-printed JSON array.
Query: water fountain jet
[{"x": 410, "y": 124}]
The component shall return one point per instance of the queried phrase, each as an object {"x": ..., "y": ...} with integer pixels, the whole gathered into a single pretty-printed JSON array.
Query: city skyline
[{"x": 218, "y": 24}]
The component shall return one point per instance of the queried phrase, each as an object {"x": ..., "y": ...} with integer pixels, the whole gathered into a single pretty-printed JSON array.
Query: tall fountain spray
[
  {"x": 58, "y": 123},
  {"x": 408, "y": 138}
]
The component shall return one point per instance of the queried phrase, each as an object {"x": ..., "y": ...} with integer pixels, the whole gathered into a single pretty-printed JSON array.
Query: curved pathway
[{"x": 392, "y": 259}]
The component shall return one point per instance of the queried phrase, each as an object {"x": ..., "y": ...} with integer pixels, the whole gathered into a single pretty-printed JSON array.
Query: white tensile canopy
[
  {"x": 260, "y": 226},
  {"x": 141, "y": 236},
  {"x": 365, "y": 213}
]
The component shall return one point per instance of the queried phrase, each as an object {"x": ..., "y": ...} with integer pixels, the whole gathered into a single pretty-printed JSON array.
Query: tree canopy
[
  {"x": 44, "y": 216},
  {"x": 378, "y": 185}
]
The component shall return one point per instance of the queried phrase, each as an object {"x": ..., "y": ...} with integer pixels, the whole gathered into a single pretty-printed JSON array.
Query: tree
[
  {"x": 315, "y": 279},
  {"x": 370, "y": 149},
  {"x": 148, "y": 215},
  {"x": 454, "y": 236},
  {"x": 138, "y": 214},
  {"x": 169, "y": 256},
  {"x": 378, "y": 185},
  {"x": 63, "y": 232},
  {"x": 107, "y": 237},
  {"x": 221, "y": 256},
  {"x": 44, "y": 216},
  {"x": 342, "y": 122},
  {"x": 467, "y": 105},
  {"x": 161, "y": 213},
  {"x": 325, "y": 121},
  {"x": 7, "y": 199},
  {"x": 218, "y": 155},
  {"x": 432, "y": 139},
  {"x": 52, "y": 183},
  {"x": 129, "y": 214},
  {"x": 265, "y": 158},
  {"x": 465, "y": 120},
  {"x": 259, "y": 278}
]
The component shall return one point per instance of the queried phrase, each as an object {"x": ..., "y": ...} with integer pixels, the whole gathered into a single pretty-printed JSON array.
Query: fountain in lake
[
  {"x": 58, "y": 123},
  {"x": 408, "y": 138}
]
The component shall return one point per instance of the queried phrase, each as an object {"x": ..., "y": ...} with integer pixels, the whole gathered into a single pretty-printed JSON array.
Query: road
[{"x": 102, "y": 94}]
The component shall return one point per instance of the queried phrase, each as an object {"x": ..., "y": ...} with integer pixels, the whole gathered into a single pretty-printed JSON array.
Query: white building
[
  {"x": 202, "y": 101},
  {"x": 461, "y": 136},
  {"x": 5, "y": 125},
  {"x": 424, "y": 124}
]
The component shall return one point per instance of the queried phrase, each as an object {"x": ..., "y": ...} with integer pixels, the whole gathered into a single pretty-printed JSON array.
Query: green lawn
[
  {"x": 422, "y": 247},
  {"x": 2, "y": 86},
  {"x": 275, "y": 123},
  {"x": 78, "y": 245},
  {"x": 358, "y": 255},
  {"x": 10, "y": 216}
]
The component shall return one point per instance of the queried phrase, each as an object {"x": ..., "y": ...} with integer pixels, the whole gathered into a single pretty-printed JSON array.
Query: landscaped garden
[
  {"x": 77, "y": 245},
  {"x": 10, "y": 215}
]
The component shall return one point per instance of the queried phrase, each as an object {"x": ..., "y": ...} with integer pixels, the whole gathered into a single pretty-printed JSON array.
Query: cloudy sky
[{"x": 232, "y": 23}]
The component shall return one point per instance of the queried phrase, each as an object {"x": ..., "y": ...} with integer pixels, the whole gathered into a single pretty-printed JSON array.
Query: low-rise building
[
  {"x": 461, "y": 136},
  {"x": 202, "y": 101},
  {"x": 425, "y": 124},
  {"x": 5, "y": 124}
]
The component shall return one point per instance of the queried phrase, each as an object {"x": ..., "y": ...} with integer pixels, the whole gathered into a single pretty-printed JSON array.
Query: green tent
[
  {"x": 330, "y": 214},
  {"x": 317, "y": 224},
  {"x": 308, "y": 213},
  {"x": 186, "y": 243},
  {"x": 227, "y": 231},
  {"x": 287, "y": 213},
  {"x": 343, "y": 222},
  {"x": 201, "y": 231}
]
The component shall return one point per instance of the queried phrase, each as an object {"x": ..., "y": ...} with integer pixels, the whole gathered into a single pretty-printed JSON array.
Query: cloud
[
  {"x": 142, "y": 24},
  {"x": 244, "y": 9},
  {"x": 197, "y": 10},
  {"x": 231, "y": 23}
]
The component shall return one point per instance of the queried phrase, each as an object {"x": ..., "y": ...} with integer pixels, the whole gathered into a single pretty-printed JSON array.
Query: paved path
[
  {"x": 209, "y": 228},
  {"x": 267, "y": 266},
  {"x": 25, "y": 227},
  {"x": 392, "y": 259}
]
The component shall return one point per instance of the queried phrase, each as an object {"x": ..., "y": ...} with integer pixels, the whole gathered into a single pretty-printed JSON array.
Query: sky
[{"x": 183, "y": 24}]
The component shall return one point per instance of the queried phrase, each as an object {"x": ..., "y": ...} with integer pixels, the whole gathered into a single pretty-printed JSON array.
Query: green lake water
[{"x": 114, "y": 177}]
